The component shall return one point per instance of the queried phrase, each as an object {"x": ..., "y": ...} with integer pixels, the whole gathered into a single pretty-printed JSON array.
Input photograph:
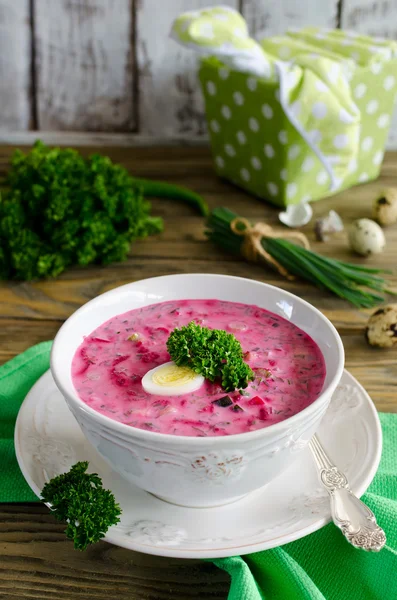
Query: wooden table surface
[{"x": 36, "y": 560}]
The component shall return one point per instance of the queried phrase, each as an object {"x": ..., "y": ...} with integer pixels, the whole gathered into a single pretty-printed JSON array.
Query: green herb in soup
[{"x": 214, "y": 353}]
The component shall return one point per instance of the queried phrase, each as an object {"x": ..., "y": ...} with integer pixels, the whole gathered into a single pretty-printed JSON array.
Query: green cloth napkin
[
  {"x": 16, "y": 378},
  {"x": 322, "y": 566}
]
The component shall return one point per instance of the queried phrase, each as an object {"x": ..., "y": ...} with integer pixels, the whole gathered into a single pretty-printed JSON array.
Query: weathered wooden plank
[
  {"x": 377, "y": 18},
  {"x": 170, "y": 101},
  {"x": 372, "y": 17},
  {"x": 15, "y": 55},
  {"x": 84, "y": 64},
  {"x": 269, "y": 18},
  {"x": 57, "y": 300},
  {"x": 86, "y": 138},
  {"x": 37, "y": 561}
]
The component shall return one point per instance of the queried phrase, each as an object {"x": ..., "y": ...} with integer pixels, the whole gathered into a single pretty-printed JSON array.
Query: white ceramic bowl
[{"x": 195, "y": 471}]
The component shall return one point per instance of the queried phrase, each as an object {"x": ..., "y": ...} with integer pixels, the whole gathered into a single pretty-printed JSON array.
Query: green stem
[{"x": 161, "y": 189}]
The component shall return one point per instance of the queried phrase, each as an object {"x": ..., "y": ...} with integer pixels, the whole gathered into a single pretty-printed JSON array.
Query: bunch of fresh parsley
[
  {"x": 79, "y": 499},
  {"x": 213, "y": 353},
  {"x": 60, "y": 209}
]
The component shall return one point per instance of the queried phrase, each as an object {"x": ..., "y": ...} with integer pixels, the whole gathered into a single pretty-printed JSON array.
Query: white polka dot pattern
[
  {"x": 226, "y": 112},
  {"x": 353, "y": 166},
  {"x": 372, "y": 107},
  {"x": 253, "y": 124},
  {"x": 383, "y": 121},
  {"x": 340, "y": 141},
  {"x": 273, "y": 188},
  {"x": 241, "y": 137},
  {"x": 378, "y": 157},
  {"x": 245, "y": 174},
  {"x": 322, "y": 177},
  {"x": 256, "y": 163},
  {"x": 229, "y": 149},
  {"x": 283, "y": 137},
  {"x": 292, "y": 189},
  {"x": 252, "y": 83},
  {"x": 363, "y": 177},
  {"x": 367, "y": 144},
  {"x": 214, "y": 126},
  {"x": 294, "y": 151},
  {"x": 308, "y": 164},
  {"x": 269, "y": 150},
  {"x": 211, "y": 88},
  {"x": 360, "y": 91},
  {"x": 389, "y": 82},
  {"x": 267, "y": 111},
  {"x": 342, "y": 110},
  {"x": 319, "y": 110},
  {"x": 238, "y": 98},
  {"x": 376, "y": 68}
]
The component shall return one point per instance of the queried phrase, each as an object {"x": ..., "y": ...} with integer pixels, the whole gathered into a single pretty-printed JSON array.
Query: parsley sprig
[
  {"x": 79, "y": 499},
  {"x": 213, "y": 353}
]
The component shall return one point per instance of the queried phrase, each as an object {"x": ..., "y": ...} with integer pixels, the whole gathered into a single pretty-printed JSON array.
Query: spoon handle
[{"x": 356, "y": 521}]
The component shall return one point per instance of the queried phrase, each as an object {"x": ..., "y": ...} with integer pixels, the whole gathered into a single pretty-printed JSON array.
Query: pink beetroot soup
[{"x": 108, "y": 367}]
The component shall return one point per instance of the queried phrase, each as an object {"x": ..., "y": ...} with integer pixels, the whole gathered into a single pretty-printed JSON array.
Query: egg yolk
[{"x": 173, "y": 376}]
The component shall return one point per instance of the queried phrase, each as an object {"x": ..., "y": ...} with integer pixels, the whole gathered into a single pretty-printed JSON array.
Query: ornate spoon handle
[{"x": 356, "y": 521}]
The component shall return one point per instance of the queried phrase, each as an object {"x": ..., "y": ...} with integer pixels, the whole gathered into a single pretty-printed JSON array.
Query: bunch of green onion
[{"x": 350, "y": 282}]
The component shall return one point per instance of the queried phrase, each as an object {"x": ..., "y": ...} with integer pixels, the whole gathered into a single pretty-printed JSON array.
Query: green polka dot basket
[{"x": 292, "y": 118}]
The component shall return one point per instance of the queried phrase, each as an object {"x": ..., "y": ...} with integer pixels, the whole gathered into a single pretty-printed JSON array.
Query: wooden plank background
[{"x": 110, "y": 66}]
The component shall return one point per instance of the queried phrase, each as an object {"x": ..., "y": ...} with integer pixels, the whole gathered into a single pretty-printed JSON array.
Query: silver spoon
[{"x": 356, "y": 521}]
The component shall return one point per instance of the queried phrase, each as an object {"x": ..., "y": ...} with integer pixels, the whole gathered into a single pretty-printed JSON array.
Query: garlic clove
[
  {"x": 327, "y": 225},
  {"x": 296, "y": 215}
]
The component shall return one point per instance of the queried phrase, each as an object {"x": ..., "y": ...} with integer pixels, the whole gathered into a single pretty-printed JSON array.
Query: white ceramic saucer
[{"x": 48, "y": 441}]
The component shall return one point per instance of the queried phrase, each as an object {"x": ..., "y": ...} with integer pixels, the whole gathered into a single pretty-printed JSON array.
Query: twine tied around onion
[{"x": 252, "y": 248}]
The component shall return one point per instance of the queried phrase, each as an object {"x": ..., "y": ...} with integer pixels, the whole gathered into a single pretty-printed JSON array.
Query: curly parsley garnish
[
  {"x": 79, "y": 499},
  {"x": 213, "y": 353}
]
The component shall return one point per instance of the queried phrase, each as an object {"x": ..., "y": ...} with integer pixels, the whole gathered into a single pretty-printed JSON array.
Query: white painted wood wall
[{"x": 109, "y": 65}]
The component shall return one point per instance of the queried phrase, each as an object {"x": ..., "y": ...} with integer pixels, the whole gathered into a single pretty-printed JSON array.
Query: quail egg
[{"x": 366, "y": 237}]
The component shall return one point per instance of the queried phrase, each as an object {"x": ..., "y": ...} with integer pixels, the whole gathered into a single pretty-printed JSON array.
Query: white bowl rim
[{"x": 56, "y": 354}]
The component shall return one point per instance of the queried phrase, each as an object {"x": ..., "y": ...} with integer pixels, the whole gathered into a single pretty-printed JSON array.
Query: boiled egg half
[{"x": 170, "y": 380}]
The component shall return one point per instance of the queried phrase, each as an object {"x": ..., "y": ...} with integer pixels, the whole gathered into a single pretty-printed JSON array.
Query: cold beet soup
[{"x": 110, "y": 364}]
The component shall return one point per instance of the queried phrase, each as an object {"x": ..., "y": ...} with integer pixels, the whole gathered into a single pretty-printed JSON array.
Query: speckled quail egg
[
  {"x": 366, "y": 237},
  {"x": 381, "y": 329},
  {"x": 385, "y": 207}
]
